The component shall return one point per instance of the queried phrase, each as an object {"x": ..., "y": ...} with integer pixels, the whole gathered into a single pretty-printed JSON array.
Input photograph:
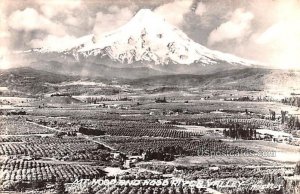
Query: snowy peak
[
  {"x": 145, "y": 14},
  {"x": 154, "y": 24},
  {"x": 147, "y": 37},
  {"x": 147, "y": 22},
  {"x": 69, "y": 44},
  {"x": 148, "y": 40}
]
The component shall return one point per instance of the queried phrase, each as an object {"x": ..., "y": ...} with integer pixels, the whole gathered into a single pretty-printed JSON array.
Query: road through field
[
  {"x": 98, "y": 141},
  {"x": 44, "y": 126},
  {"x": 82, "y": 135}
]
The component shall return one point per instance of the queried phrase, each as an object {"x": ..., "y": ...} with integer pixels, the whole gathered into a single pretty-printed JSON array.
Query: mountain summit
[
  {"x": 148, "y": 37},
  {"x": 147, "y": 41}
]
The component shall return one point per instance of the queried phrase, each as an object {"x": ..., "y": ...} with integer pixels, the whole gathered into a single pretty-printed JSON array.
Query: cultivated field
[{"x": 214, "y": 142}]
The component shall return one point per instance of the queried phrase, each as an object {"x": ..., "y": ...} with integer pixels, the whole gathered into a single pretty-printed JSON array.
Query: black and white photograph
[{"x": 149, "y": 96}]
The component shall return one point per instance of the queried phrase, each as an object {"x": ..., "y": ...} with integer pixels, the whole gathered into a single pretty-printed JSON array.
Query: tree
[
  {"x": 60, "y": 188},
  {"x": 283, "y": 116},
  {"x": 297, "y": 169}
]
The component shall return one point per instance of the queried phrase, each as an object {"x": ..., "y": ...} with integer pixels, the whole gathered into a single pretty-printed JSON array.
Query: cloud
[
  {"x": 55, "y": 43},
  {"x": 4, "y": 59},
  {"x": 37, "y": 19},
  {"x": 277, "y": 36},
  {"x": 29, "y": 20},
  {"x": 3, "y": 26},
  {"x": 5, "y": 35},
  {"x": 272, "y": 36},
  {"x": 174, "y": 12},
  {"x": 111, "y": 20},
  {"x": 57, "y": 7},
  {"x": 283, "y": 42},
  {"x": 201, "y": 9},
  {"x": 72, "y": 14},
  {"x": 238, "y": 26}
]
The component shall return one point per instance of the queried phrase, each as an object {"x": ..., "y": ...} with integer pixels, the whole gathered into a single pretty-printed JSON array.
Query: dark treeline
[
  {"x": 16, "y": 113},
  {"x": 57, "y": 94},
  {"x": 293, "y": 101},
  {"x": 95, "y": 100},
  {"x": 161, "y": 100},
  {"x": 246, "y": 99},
  {"x": 163, "y": 154},
  {"x": 240, "y": 131},
  {"x": 90, "y": 131}
]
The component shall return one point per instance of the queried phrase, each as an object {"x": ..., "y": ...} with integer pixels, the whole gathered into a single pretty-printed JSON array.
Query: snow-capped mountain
[
  {"x": 148, "y": 37},
  {"x": 146, "y": 41}
]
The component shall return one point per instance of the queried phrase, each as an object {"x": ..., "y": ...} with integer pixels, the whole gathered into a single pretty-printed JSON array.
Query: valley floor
[{"x": 50, "y": 143}]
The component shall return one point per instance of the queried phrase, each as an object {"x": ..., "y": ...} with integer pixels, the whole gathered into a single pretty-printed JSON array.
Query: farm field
[
  {"x": 282, "y": 152},
  {"x": 19, "y": 126},
  {"x": 51, "y": 147},
  {"x": 16, "y": 170},
  {"x": 174, "y": 146},
  {"x": 45, "y": 145}
]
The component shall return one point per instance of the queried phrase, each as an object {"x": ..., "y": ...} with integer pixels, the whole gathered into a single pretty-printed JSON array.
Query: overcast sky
[{"x": 264, "y": 30}]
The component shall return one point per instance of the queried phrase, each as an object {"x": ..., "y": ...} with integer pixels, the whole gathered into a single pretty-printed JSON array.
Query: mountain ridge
[{"x": 30, "y": 82}]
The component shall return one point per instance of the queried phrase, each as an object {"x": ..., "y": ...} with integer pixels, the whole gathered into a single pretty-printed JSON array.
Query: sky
[{"x": 267, "y": 31}]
